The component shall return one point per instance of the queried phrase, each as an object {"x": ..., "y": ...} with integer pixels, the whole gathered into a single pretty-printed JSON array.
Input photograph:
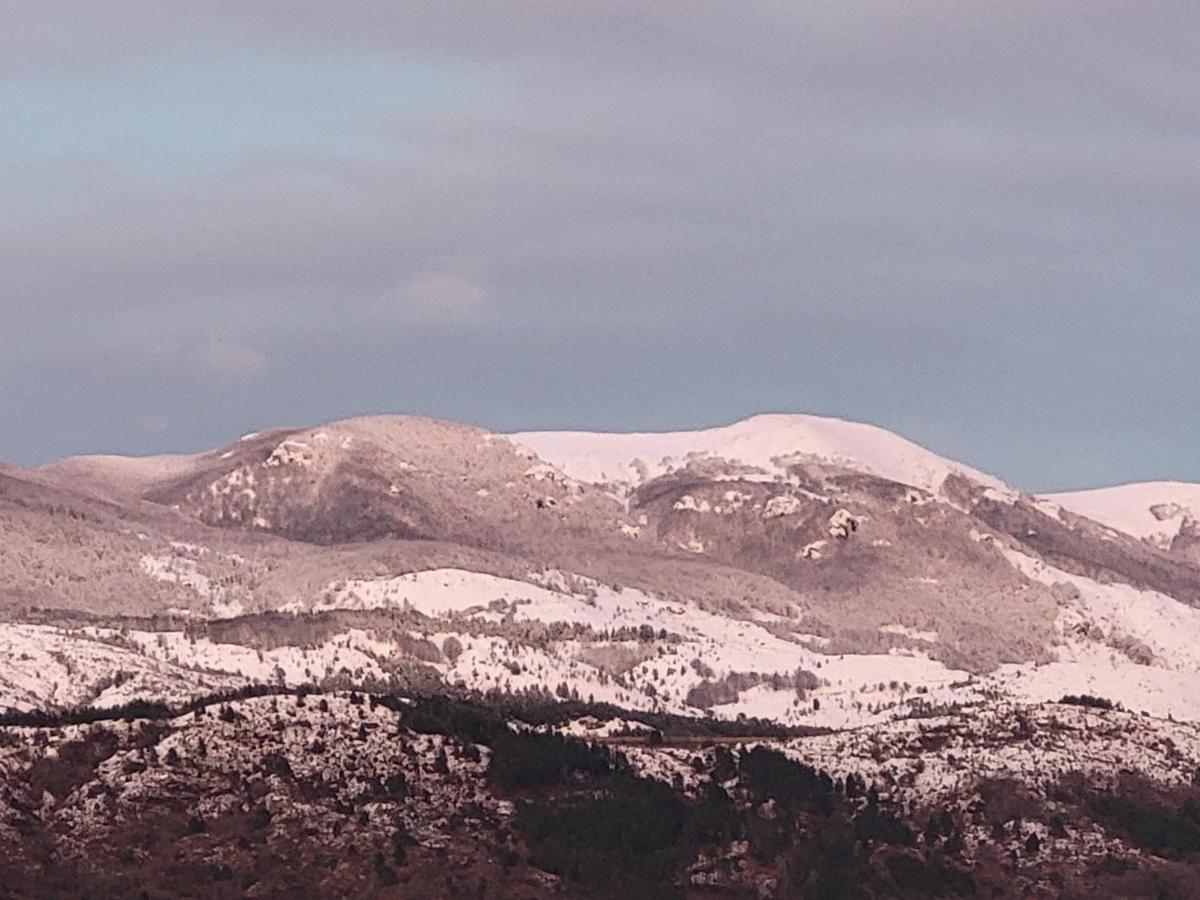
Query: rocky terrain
[
  {"x": 358, "y": 795},
  {"x": 823, "y": 592}
]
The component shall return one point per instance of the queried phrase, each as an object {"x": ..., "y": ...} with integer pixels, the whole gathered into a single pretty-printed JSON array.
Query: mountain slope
[
  {"x": 1163, "y": 513},
  {"x": 1002, "y": 690},
  {"x": 357, "y": 480},
  {"x": 796, "y": 567}
]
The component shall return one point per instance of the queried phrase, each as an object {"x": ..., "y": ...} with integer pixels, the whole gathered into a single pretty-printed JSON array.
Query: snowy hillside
[
  {"x": 764, "y": 442},
  {"x": 1155, "y": 511},
  {"x": 727, "y": 606},
  {"x": 583, "y": 639},
  {"x": 802, "y": 569}
]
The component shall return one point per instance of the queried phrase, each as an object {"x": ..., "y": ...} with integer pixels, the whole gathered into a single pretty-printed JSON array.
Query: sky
[{"x": 975, "y": 224}]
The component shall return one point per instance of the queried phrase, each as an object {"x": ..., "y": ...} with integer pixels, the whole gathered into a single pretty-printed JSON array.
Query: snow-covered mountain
[
  {"x": 1160, "y": 512},
  {"x": 780, "y": 595},
  {"x": 769, "y": 444},
  {"x": 800, "y": 568}
]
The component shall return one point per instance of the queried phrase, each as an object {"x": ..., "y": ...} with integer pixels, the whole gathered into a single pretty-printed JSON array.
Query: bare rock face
[{"x": 1187, "y": 543}]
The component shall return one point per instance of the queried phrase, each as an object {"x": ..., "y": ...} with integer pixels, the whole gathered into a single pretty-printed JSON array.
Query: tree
[
  {"x": 452, "y": 648},
  {"x": 441, "y": 764}
]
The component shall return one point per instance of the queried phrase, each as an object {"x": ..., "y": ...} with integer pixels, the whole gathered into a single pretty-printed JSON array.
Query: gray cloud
[{"x": 972, "y": 224}]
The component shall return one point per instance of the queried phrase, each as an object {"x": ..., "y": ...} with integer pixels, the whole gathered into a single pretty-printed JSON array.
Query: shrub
[{"x": 1087, "y": 700}]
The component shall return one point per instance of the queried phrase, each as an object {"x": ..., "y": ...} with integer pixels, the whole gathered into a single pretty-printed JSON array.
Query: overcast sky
[{"x": 976, "y": 224}]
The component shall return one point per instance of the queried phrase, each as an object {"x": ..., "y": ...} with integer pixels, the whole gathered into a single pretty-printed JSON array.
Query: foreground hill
[{"x": 346, "y": 794}]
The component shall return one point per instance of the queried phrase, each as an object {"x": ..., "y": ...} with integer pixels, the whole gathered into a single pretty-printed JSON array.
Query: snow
[
  {"x": 435, "y": 592},
  {"x": 1169, "y": 628},
  {"x": 185, "y": 572},
  {"x": 354, "y": 650},
  {"x": 936, "y": 757},
  {"x": 1153, "y": 511},
  {"x": 125, "y": 474},
  {"x": 722, "y": 643},
  {"x": 784, "y": 505},
  {"x": 842, "y": 523},
  {"x": 590, "y": 727},
  {"x": 1118, "y": 614},
  {"x": 176, "y": 570},
  {"x": 289, "y": 453},
  {"x": 363, "y": 744},
  {"x": 1104, "y": 630},
  {"x": 765, "y": 442},
  {"x": 853, "y": 695},
  {"x": 47, "y": 666},
  {"x": 813, "y": 550},
  {"x": 1162, "y": 693}
]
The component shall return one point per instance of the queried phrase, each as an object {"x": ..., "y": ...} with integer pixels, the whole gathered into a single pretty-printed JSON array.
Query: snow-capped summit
[
  {"x": 1155, "y": 511},
  {"x": 761, "y": 441}
]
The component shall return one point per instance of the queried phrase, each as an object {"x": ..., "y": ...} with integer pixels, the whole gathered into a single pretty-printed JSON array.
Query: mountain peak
[
  {"x": 1155, "y": 511},
  {"x": 761, "y": 441}
]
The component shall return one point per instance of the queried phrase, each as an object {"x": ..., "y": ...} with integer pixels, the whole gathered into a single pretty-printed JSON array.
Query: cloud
[
  {"x": 230, "y": 360},
  {"x": 971, "y": 223},
  {"x": 432, "y": 297}
]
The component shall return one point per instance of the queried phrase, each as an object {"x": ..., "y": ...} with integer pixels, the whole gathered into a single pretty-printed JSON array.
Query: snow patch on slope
[
  {"x": 1103, "y": 628},
  {"x": 861, "y": 688},
  {"x": 50, "y": 667},
  {"x": 177, "y": 570},
  {"x": 435, "y": 592},
  {"x": 1170, "y": 629},
  {"x": 185, "y": 572}
]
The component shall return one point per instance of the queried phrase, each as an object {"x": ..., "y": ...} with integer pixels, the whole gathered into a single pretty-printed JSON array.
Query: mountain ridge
[{"x": 773, "y": 545}]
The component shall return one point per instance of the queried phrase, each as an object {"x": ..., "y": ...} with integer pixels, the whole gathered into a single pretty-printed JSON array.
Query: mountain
[
  {"x": 1165, "y": 514},
  {"x": 794, "y": 567},
  {"x": 391, "y": 655},
  {"x": 766, "y": 445}
]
